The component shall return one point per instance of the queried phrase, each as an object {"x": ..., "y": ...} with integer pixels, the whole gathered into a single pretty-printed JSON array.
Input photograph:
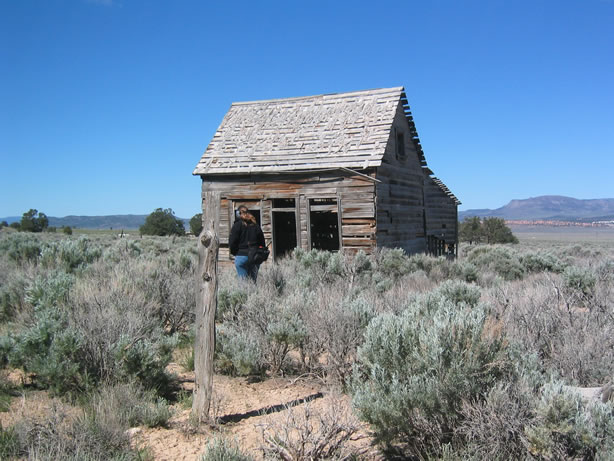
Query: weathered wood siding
[
  {"x": 441, "y": 213},
  {"x": 400, "y": 199},
  {"x": 355, "y": 195}
]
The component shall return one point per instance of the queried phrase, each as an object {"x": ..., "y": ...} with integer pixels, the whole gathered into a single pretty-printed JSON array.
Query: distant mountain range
[
  {"x": 550, "y": 208},
  {"x": 119, "y": 222}
]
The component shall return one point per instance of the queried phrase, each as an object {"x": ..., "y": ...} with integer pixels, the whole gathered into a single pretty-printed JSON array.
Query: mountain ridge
[{"x": 550, "y": 208}]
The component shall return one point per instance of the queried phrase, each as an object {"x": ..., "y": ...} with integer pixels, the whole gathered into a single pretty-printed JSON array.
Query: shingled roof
[{"x": 344, "y": 130}]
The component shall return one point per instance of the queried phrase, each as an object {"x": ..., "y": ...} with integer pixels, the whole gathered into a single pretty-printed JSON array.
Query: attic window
[{"x": 400, "y": 146}]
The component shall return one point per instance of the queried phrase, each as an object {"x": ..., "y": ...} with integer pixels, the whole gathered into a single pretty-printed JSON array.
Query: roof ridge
[{"x": 399, "y": 89}]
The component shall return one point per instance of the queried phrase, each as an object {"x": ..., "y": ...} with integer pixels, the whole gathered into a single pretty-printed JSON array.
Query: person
[{"x": 245, "y": 233}]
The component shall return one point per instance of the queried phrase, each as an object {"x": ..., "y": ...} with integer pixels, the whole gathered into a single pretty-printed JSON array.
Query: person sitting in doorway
[{"x": 245, "y": 233}]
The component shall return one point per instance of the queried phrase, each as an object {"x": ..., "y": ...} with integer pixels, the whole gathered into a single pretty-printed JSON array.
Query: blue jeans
[{"x": 245, "y": 269}]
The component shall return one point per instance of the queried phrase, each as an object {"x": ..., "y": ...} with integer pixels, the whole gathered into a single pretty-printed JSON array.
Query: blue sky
[{"x": 107, "y": 105}]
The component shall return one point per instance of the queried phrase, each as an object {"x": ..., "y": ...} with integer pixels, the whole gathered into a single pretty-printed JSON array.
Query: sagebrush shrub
[
  {"x": 415, "y": 369},
  {"x": 49, "y": 289},
  {"x": 127, "y": 405},
  {"x": 21, "y": 247},
  {"x": 579, "y": 281},
  {"x": 493, "y": 428},
  {"x": 335, "y": 325},
  {"x": 310, "y": 434},
  {"x": 570, "y": 339},
  {"x": 223, "y": 449},
  {"x": 13, "y": 286},
  {"x": 316, "y": 266},
  {"x": 541, "y": 262},
  {"x": 566, "y": 427},
  {"x": 237, "y": 352},
  {"x": 70, "y": 254},
  {"x": 94, "y": 435},
  {"x": 499, "y": 259},
  {"x": 392, "y": 263}
]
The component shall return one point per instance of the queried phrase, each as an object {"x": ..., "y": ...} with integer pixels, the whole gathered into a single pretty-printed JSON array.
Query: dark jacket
[{"x": 242, "y": 236}]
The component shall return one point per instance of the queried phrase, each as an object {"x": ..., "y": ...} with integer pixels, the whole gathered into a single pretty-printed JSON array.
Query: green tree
[
  {"x": 33, "y": 221},
  {"x": 196, "y": 224},
  {"x": 162, "y": 222},
  {"x": 67, "y": 230},
  {"x": 4, "y": 224},
  {"x": 495, "y": 230},
  {"x": 488, "y": 230},
  {"x": 470, "y": 230}
]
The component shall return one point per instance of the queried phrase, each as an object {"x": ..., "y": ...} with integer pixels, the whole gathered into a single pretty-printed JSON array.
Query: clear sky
[{"x": 106, "y": 106}]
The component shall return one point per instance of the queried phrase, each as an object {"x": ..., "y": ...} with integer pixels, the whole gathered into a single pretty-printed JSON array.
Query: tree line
[
  {"x": 159, "y": 222},
  {"x": 164, "y": 222}
]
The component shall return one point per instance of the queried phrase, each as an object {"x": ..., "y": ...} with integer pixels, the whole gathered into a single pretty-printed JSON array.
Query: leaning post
[{"x": 206, "y": 305}]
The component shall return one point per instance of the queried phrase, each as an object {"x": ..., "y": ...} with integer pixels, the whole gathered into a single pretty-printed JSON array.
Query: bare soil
[{"x": 242, "y": 409}]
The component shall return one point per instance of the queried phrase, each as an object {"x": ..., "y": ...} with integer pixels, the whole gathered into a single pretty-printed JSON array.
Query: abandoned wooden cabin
[{"x": 329, "y": 172}]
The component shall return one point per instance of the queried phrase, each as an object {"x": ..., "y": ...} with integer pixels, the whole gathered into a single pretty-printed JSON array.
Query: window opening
[
  {"x": 284, "y": 203},
  {"x": 400, "y": 146},
  {"x": 253, "y": 206},
  {"x": 324, "y": 224}
]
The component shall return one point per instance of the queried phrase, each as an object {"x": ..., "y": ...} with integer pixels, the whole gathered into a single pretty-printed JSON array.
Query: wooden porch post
[{"x": 206, "y": 305}]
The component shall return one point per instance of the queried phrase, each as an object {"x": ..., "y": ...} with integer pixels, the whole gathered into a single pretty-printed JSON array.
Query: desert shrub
[
  {"x": 103, "y": 331},
  {"x": 237, "y": 353},
  {"x": 88, "y": 437},
  {"x": 460, "y": 293},
  {"x": 230, "y": 300},
  {"x": 128, "y": 405},
  {"x": 541, "y": 262},
  {"x": 274, "y": 323},
  {"x": 493, "y": 428},
  {"x": 426, "y": 263},
  {"x": 605, "y": 271},
  {"x": 335, "y": 325},
  {"x": 415, "y": 369},
  {"x": 358, "y": 267},
  {"x": 9, "y": 443},
  {"x": 579, "y": 281},
  {"x": 223, "y": 449},
  {"x": 51, "y": 350},
  {"x": 7, "y": 391},
  {"x": 21, "y": 248},
  {"x": 121, "y": 250},
  {"x": 13, "y": 286},
  {"x": 317, "y": 266},
  {"x": 501, "y": 260},
  {"x": 49, "y": 289},
  {"x": 566, "y": 427},
  {"x": 465, "y": 271},
  {"x": 168, "y": 285},
  {"x": 392, "y": 263},
  {"x": 311, "y": 434},
  {"x": 70, "y": 254},
  {"x": 573, "y": 340}
]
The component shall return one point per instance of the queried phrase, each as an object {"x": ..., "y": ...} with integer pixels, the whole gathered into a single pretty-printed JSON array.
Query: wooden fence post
[{"x": 206, "y": 305}]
